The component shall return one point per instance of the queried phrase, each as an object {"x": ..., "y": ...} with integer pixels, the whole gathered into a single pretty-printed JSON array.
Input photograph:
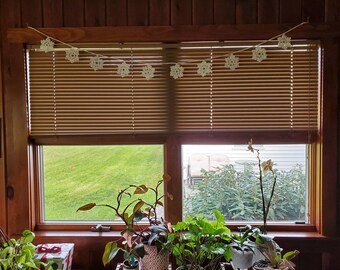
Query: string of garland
[{"x": 176, "y": 69}]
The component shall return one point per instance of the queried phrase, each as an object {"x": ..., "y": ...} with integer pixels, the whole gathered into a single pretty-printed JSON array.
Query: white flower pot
[
  {"x": 241, "y": 260},
  {"x": 127, "y": 267}
]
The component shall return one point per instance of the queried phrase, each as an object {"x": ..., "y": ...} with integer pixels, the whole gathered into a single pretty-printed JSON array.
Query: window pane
[
  {"x": 77, "y": 175},
  {"x": 225, "y": 177}
]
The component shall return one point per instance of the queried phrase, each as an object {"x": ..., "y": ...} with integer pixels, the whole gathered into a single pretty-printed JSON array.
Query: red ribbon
[{"x": 45, "y": 249}]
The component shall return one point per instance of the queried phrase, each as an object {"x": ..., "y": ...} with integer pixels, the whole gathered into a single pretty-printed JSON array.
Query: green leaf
[
  {"x": 290, "y": 255},
  {"x": 86, "y": 207},
  {"x": 219, "y": 217},
  {"x": 138, "y": 206},
  {"x": 139, "y": 250},
  {"x": 111, "y": 250},
  {"x": 141, "y": 189}
]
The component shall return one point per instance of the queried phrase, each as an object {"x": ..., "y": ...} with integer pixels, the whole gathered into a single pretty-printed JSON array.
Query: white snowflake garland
[
  {"x": 96, "y": 63},
  {"x": 72, "y": 55},
  {"x": 232, "y": 62},
  {"x": 148, "y": 72},
  {"x": 176, "y": 71},
  {"x": 47, "y": 45},
  {"x": 204, "y": 68},
  {"x": 259, "y": 54},
  {"x": 284, "y": 42},
  {"x": 123, "y": 69}
]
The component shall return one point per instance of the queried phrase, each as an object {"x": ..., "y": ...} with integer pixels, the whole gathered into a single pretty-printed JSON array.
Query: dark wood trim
[
  {"x": 16, "y": 151},
  {"x": 171, "y": 33},
  {"x": 329, "y": 139}
]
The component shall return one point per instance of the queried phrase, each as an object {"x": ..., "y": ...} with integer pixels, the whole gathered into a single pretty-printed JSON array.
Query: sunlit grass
[{"x": 77, "y": 175}]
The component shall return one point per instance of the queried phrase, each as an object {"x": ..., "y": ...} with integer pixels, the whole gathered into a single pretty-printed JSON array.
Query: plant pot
[
  {"x": 126, "y": 266},
  {"x": 241, "y": 259},
  {"x": 154, "y": 260}
]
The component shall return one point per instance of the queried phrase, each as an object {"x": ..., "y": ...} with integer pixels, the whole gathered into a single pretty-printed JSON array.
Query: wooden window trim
[{"x": 327, "y": 143}]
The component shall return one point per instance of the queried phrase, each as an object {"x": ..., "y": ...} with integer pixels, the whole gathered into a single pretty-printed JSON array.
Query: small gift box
[{"x": 60, "y": 254}]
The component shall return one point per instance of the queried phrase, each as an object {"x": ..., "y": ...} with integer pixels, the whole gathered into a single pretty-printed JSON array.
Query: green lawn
[{"x": 76, "y": 175}]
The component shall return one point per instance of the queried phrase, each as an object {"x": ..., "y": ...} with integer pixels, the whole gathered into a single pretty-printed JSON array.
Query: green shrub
[{"x": 236, "y": 194}]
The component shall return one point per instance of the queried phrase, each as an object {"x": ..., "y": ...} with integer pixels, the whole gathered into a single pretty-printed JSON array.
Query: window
[
  {"x": 76, "y": 175},
  {"x": 275, "y": 102},
  {"x": 234, "y": 170}
]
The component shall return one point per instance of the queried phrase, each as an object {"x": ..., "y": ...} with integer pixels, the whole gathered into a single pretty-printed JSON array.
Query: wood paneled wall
[
  {"x": 79, "y": 13},
  {"x": 89, "y": 13}
]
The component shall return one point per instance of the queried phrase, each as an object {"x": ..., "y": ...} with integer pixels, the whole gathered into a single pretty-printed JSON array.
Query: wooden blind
[{"x": 279, "y": 93}]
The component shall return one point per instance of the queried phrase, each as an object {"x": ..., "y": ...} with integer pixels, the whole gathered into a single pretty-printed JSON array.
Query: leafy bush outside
[{"x": 236, "y": 194}]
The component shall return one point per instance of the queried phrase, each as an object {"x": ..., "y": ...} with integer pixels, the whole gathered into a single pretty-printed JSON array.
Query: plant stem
[{"x": 264, "y": 210}]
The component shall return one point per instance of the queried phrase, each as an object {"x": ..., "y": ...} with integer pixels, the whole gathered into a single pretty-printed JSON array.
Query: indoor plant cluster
[
  {"x": 197, "y": 242},
  {"x": 19, "y": 253}
]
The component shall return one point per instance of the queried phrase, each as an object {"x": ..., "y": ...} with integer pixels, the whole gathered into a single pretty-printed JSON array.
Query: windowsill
[{"x": 113, "y": 234}]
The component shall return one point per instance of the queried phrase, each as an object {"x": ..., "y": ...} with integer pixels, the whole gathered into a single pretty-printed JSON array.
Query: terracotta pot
[
  {"x": 154, "y": 260},
  {"x": 241, "y": 260}
]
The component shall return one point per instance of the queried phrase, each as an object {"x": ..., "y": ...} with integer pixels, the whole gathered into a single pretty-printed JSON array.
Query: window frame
[
  {"x": 21, "y": 152},
  {"x": 172, "y": 152}
]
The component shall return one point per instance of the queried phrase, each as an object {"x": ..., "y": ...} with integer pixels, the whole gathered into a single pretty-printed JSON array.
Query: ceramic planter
[
  {"x": 241, "y": 260},
  {"x": 154, "y": 260}
]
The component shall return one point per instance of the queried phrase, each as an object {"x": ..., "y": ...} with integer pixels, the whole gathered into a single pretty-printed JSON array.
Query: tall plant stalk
[{"x": 264, "y": 166}]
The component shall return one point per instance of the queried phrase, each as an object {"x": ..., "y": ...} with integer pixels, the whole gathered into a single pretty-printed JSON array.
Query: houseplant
[
  {"x": 243, "y": 246},
  {"x": 138, "y": 242},
  {"x": 131, "y": 249},
  {"x": 155, "y": 238},
  {"x": 19, "y": 253},
  {"x": 199, "y": 243},
  {"x": 273, "y": 256}
]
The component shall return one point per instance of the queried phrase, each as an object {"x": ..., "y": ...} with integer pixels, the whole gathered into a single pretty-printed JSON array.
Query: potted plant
[
  {"x": 139, "y": 243},
  {"x": 131, "y": 249},
  {"x": 273, "y": 256},
  {"x": 19, "y": 253},
  {"x": 199, "y": 243},
  {"x": 243, "y": 246},
  {"x": 155, "y": 238}
]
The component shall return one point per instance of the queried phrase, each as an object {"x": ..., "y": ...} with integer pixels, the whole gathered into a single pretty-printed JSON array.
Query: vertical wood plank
[
  {"x": 246, "y": 11},
  {"x": 314, "y": 10},
  {"x": 31, "y": 13},
  {"x": 268, "y": 11},
  {"x": 138, "y": 12},
  {"x": 290, "y": 11},
  {"x": 71, "y": 7},
  {"x": 159, "y": 13},
  {"x": 16, "y": 140},
  {"x": 53, "y": 13},
  {"x": 10, "y": 15},
  {"x": 332, "y": 10},
  {"x": 95, "y": 13},
  {"x": 181, "y": 12},
  {"x": 203, "y": 12},
  {"x": 116, "y": 12},
  {"x": 224, "y": 11},
  {"x": 329, "y": 140}
]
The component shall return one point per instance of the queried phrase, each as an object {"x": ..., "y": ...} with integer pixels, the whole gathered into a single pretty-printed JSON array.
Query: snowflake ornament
[
  {"x": 47, "y": 45},
  {"x": 259, "y": 54},
  {"x": 284, "y": 42},
  {"x": 232, "y": 62},
  {"x": 72, "y": 55},
  {"x": 176, "y": 71},
  {"x": 204, "y": 68},
  {"x": 123, "y": 69},
  {"x": 96, "y": 63},
  {"x": 148, "y": 72}
]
